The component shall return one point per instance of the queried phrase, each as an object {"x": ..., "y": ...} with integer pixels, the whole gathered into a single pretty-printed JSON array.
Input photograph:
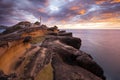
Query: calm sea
[
  {"x": 104, "y": 46},
  {"x": 2, "y": 30}
]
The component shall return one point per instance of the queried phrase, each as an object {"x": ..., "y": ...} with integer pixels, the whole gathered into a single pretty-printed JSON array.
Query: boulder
[
  {"x": 37, "y": 23},
  {"x": 71, "y": 41},
  {"x": 62, "y": 31},
  {"x": 86, "y": 61},
  {"x": 60, "y": 34},
  {"x": 52, "y": 33},
  {"x": 65, "y": 34},
  {"x": 52, "y": 28},
  {"x": 43, "y": 26}
]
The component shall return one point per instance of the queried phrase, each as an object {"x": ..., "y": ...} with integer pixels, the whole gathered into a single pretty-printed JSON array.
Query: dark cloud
[{"x": 59, "y": 11}]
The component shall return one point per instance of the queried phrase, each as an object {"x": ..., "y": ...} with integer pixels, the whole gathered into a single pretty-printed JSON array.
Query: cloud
[
  {"x": 100, "y": 1},
  {"x": 42, "y": 10},
  {"x": 82, "y": 12},
  {"x": 75, "y": 8},
  {"x": 58, "y": 11},
  {"x": 115, "y": 1},
  {"x": 40, "y": 3}
]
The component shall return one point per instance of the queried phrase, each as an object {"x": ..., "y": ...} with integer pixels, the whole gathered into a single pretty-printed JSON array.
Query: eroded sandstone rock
[
  {"x": 58, "y": 53},
  {"x": 73, "y": 57}
]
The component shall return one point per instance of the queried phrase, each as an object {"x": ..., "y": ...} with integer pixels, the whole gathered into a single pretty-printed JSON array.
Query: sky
[{"x": 72, "y": 14}]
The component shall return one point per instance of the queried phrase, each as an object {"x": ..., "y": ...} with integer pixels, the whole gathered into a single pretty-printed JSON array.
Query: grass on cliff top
[
  {"x": 36, "y": 40},
  {"x": 46, "y": 73}
]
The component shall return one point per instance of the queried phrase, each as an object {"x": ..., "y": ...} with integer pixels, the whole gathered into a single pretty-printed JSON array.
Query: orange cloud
[
  {"x": 100, "y": 1},
  {"x": 63, "y": 21},
  {"x": 74, "y": 8},
  {"x": 106, "y": 17},
  {"x": 41, "y": 10},
  {"x": 112, "y": 1},
  {"x": 82, "y": 12},
  {"x": 69, "y": 16},
  {"x": 115, "y": 1}
]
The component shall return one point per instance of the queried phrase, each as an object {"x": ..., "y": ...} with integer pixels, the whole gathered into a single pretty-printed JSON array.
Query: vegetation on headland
[
  {"x": 38, "y": 39},
  {"x": 46, "y": 73}
]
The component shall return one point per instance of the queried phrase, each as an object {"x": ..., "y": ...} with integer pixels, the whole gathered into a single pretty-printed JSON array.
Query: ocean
[
  {"x": 104, "y": 47},
  {"x": 2, "y": 30}
]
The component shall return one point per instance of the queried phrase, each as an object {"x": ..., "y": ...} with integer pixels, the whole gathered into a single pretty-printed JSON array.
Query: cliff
[{"x": 42, "y": 53}]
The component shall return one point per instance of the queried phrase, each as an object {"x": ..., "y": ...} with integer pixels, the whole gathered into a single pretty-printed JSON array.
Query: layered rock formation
[
  {"x": 68, "y": 54},
  {"x": 42, "y": 53}
]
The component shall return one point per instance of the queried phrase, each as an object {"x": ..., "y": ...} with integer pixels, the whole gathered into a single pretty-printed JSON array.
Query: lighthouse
[{"x": 40, "y": 20}]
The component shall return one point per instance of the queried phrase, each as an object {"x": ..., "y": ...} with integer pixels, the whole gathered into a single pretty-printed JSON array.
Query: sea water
[
  {"x": 104, "y": 47},
  {"x": 2, "y": 30}
]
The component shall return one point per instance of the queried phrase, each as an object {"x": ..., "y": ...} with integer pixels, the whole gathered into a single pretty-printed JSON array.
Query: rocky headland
[{"x": 36, "y": 52}]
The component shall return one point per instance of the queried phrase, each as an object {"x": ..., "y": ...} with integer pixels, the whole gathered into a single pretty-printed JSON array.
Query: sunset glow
[{"x": 99, "y": 25}]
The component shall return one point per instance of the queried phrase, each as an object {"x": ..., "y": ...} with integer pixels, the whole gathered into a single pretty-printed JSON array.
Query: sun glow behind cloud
[
  {"x": 55, "y": 6},
  {"x": 91, "y": 25},
  {"x": 54, "y": 9}
]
